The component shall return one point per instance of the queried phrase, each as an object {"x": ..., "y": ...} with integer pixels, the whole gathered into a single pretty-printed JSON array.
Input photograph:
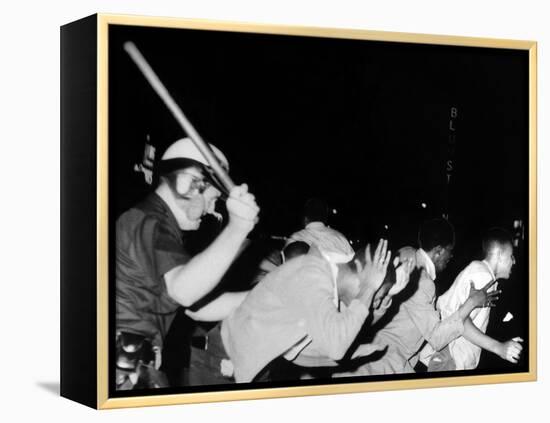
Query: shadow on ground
[{"x": 51, "y": 387}]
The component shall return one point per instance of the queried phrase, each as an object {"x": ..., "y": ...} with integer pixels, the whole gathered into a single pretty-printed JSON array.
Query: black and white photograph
[{"x": 289, "y": 210}]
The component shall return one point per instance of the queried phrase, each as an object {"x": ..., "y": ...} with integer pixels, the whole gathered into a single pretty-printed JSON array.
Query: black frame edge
[{"x": 79, "y": 211}]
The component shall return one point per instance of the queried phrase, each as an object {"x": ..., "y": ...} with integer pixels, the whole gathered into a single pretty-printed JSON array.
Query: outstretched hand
[
  {"x": 373, "y": 273},
  {"x": 402, "y": 274},
  {"x": 483, "y": 298}
]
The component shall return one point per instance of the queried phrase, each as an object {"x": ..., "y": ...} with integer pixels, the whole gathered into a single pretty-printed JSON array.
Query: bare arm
[
  {"x": 219, "y": 308},
  {"x": 446, "y": 330},
  {"x": 509, "y": 350},
  {"x": 188, "y": 283},
  {"x": 478, "y": 298},
  {"x": 477, "y": 337}
]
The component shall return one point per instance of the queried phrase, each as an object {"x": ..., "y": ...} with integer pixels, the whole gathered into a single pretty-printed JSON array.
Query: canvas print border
[{"x": 103, "y": 400}]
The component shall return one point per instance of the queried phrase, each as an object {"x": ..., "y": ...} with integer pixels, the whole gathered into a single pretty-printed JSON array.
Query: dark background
[{"x": 365, "y": 125}]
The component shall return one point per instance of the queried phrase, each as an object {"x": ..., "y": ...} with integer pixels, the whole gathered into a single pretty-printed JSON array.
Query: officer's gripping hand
[{"x": 242, "y": 208}]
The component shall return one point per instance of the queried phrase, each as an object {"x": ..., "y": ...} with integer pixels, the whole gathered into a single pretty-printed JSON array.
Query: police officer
[{"x": 154, "y": 272}]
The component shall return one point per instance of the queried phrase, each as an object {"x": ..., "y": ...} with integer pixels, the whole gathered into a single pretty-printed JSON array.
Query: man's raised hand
[
  {"x": 402, "y": 275},
  {"x": 373, "y": 273},
  {"x": 483, "y": 298}
]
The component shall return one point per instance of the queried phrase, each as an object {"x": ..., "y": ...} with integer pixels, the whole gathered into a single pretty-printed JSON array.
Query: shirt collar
[
  {"x": 155, "y": 203},
  {"x": 424, "y": 261},
  {"x": 490, "y": 270},
  {"x": 333, "y": 260}
]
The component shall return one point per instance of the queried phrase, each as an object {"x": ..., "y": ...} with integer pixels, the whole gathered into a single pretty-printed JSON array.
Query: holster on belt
[
  {"x": 137, "y": 363},
  {"x": 131, "y": 349}
]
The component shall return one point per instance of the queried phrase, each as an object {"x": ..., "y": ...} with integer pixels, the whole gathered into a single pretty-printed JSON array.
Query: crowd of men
[{"x": 317, "y": 308}]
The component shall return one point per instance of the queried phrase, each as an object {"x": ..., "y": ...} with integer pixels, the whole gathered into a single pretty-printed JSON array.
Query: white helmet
[{"x": 184, "y": 152}]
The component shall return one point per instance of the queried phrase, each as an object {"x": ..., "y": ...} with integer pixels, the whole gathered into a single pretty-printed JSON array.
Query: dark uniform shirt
[{"x": 149, "y": 243}]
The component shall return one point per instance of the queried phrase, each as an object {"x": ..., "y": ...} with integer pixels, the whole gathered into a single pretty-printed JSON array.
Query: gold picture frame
[{"x": 93, "y": 33}]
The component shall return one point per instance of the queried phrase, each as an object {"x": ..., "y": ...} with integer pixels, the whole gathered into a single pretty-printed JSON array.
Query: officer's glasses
[{"x": 198, "y": 183}]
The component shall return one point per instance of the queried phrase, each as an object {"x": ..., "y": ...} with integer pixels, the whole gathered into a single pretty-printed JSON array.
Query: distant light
[
  {"x": 351, "y": 242},
  {"x": 424, "y": 205},
  {"x": 334, "y": 211},
  {"x": 386, "y": 227}
]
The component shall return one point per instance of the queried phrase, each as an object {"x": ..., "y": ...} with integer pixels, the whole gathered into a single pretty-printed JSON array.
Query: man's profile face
[
  {"x": 445, "y": 255},
  {"x": 505, "y": 262}
]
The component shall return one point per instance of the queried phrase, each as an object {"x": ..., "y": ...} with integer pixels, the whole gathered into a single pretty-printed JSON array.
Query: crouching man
[
  {"x": 415, "y": 319},
  {"x": 297, "y": 307}
]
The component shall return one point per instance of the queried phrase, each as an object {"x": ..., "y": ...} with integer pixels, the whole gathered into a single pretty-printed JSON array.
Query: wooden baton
[{"x": 187, "y": 126}]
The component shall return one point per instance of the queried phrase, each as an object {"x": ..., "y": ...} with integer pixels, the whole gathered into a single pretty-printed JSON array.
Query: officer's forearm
[
  {"x": 218, "y": 309},
  {"x": 188, "y": 283}
]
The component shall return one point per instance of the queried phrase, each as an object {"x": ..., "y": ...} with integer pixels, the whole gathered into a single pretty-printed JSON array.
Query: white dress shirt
[{"x": 465, "y": 354}]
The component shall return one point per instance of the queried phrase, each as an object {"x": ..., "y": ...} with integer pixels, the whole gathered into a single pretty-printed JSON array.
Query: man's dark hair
[
  {"x": 495, "y": 237},
  {"x": 436, "y": 232},
  {"x": 295, "y": 249},
  {"x": 316, "y": 210}
]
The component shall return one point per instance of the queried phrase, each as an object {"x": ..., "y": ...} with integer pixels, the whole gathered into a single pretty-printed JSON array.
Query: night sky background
[{"x": 365, "y": 125}]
